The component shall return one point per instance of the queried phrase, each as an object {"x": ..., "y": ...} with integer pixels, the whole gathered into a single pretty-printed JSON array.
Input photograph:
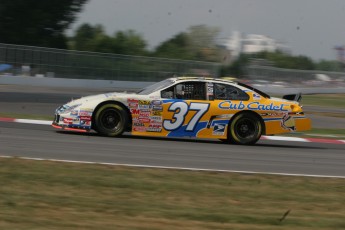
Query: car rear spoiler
[{"x": 293, "y": 97}]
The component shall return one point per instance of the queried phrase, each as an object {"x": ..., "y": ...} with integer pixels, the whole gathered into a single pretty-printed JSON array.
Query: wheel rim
[
  {"x": 246, "y": 128},
  {"x": 110, "y": 120}
]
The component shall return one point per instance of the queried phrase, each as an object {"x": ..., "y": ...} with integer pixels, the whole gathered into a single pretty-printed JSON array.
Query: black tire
[
  {"x": 245, "y": 129},
  {"x": 111, "y": 120}
]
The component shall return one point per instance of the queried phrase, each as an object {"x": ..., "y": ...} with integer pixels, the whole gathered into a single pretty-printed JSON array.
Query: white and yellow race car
[{"x": 186, "y": 107}]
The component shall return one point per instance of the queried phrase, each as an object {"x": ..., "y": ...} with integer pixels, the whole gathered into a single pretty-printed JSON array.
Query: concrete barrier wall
[{"x": 107, "y": 84}]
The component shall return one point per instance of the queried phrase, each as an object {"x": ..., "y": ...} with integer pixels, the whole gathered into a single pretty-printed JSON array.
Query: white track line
[
  {"x": 175, "y": 168},
  {"x": 36, "y": 122},
  {"x": 280, "y": 138}
]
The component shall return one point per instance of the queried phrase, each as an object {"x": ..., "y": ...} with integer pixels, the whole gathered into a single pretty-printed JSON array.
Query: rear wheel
[
  {"x": 245, "y": 129},
  {"x": 111, "y": 120}
]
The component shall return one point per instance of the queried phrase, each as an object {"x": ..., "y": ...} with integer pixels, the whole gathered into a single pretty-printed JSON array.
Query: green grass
[
  {"x": 327, "y": 100},
  {"x": 51, "y": 195},
  {"x": 329, "y": 133},
  {"x": 327, "y": 114},
  {"x": 339, "y": 132}
]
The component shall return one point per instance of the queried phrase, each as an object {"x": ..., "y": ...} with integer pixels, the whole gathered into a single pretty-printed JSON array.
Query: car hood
[{"x": 100, "y": 97}]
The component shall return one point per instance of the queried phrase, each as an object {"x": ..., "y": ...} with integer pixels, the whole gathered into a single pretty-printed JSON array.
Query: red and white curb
[
  {"x": 276, "y": 138},
  {"x": 300, "y": 139},
  {"x": 26, "y": 121}
]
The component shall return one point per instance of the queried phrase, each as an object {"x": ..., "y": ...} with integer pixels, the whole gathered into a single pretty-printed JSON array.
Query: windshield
[{"x": 157, "y": 86}]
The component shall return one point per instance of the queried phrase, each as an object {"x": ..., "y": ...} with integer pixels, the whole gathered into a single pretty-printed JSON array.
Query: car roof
[{"x": 176, "y": 79}]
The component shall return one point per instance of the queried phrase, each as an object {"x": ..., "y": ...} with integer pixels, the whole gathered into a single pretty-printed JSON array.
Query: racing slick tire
[
  {"x": 111, "y": 120},
  {"x": 245, "y": 129}
]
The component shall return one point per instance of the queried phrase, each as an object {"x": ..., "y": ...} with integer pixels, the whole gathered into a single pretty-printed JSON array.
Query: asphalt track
[{"x": 41, "y": 141}]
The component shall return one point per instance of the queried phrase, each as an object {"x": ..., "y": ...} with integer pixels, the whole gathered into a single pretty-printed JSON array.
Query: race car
[{"x": 187, "y": 107}]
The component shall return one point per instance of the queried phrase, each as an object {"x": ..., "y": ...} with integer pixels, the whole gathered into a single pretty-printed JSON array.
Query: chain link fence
[
  {"x": 279, "y": 77},
  {"x": 47, "y": 62}
]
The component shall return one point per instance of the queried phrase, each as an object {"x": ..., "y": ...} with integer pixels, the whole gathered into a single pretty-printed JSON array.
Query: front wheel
[
  {"x": 245, "y": 129},
  {"x": 111, "y": 120}
]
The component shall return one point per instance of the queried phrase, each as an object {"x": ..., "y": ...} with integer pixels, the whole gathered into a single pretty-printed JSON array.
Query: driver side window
[{"x": 186, "y": 90}]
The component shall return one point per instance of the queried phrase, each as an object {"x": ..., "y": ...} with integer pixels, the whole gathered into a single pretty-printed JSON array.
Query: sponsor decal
[
  {"x": 272, "y": 114},
  {"x": 87, "y": 123},
  {"x": 156, "y": 113},
  {"x": 154, "y": 127},
  {"x": 229, "y": 105},
  {"x": 256, "y": 96},
  {"x": 209, "y": 88},
  {"x": 138, "y": 124},
  {"x": 157, "y": 108},
  {"x": 251, "y": 106},
  {"x": 132, "y": 103},
  {"x": 144, "y": 120},
  {"x": 219, "y": 129},
  {"x": 288, "y": 122},
  {"x": 139, "y": 111},
  {"x": 135, "y": 119},
  {"x": 67, "y": 120},
  {"x": 144, "y": 107},
  {"x": 142, "y": 102},
  {"x": 85, "y": 113},
  {"x": 144, "y": 114},
  {"x": 135, "y": 111},
  {"x": 76, "y": 121},
  {"x": 156, "y": 119},
  {"x": 156, "y": 102},
  {"x": 74, "y": 113},
  {"x": 85, "y": 118},
  {"x": 139, "y": 129},
  {"x": 258, "y": 106}
]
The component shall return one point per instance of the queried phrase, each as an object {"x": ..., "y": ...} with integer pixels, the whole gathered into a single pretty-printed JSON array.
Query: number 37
[{"x": 180, "y": 110}]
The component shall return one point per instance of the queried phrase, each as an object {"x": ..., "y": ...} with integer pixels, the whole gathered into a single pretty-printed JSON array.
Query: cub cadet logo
[{"x": 251, "y": 106}]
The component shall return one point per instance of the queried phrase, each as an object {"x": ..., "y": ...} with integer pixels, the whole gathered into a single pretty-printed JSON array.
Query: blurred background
[{"x": 265, "y": 43}]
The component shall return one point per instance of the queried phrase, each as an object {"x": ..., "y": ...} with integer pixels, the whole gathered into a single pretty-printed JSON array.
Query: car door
[{"x": 185, "y": 109}]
